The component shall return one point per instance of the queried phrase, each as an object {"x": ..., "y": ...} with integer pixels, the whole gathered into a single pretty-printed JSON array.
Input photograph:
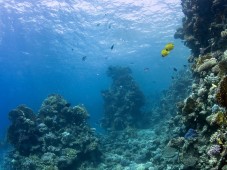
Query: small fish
[
  {"x": 169, "y": 46},
  {"x": 146, "y": 69},
  {"x": 174, "y": 69},
  {"x": 164, "y": 53},
  {"x": 98, "y": 24},
  {"x": 84, "y": 58},
  {"x": 167, "y": 49},
  {"x": 185, "y": 65},
  {"x": 112, "y": 47},
  {"x": 72, "y": 49},
  {"x": 172, "y": 77}
]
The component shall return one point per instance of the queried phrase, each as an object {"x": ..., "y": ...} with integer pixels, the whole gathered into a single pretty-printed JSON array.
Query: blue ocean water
[{"x": 43, "y": 42}]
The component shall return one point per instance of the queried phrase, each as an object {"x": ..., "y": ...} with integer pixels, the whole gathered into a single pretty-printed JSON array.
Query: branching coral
[{"x": 221, "y": 95}]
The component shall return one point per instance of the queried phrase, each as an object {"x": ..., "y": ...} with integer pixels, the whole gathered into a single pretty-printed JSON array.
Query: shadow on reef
[
  {"x": 122, "y": 101},
  {"x": 58, "y": 137}
]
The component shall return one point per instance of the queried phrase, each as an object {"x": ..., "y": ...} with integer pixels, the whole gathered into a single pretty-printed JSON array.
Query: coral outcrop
[
  {"x": 122, "y": 101},
  {"x": 58, "y": 137}
]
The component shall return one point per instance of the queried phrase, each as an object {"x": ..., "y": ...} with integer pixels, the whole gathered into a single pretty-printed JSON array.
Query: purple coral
[{"x": 214, "y": 150}]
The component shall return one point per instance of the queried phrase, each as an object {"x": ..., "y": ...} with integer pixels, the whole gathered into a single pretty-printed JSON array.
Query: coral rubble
[
  {"x": 58, "y": 137},
  {"x": 123, "y": 101}
]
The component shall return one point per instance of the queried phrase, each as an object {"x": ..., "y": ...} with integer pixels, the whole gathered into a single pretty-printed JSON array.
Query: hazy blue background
[{"x": 42, "y": 43}]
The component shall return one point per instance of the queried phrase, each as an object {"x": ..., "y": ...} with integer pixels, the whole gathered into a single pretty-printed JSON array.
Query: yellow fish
[
  {"x": 169, "y": 46},
  {"x": 164, "y": 52},
  {"x": 219, "y": 141}
]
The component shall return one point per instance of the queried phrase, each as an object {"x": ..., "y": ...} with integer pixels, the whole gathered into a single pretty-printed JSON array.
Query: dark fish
[
  {"x": 174, "y": 69},
  {"x": 146, "y": 69},
  {"x": 72, "y": 49},
  {"x": 172, "y": 77},
  {"x": 98, "y": 24},
  {"x": 68, "y": 104},
  {"x": 185, "y": 65},
  {"x": 110, "y": 26},
  {"x": 112, "y": 47},
  {"x": 84, "y": 58}
]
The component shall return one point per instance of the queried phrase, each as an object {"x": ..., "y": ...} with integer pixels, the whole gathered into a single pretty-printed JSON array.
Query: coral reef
[
  {"x": 221, "y": 95},
  {"x": 154, "y": 148},
  {"x": 207, "y": 64},
  {"x": 204, "y": 25},
  {"x": 58, "y": 137},
  {"x": 218, "y": 118},
  {"x": 190, "y": 134},
  {"x": 172, "y": 98},
  {"x": 204, "y": 109},
  {"x": 214, "y": 150},
  {"x": 123, "y": 101},
  {"x": 129, "y": 151},
  {"x": 187, "y": 130},
  {"x": 222, "y": 66}
]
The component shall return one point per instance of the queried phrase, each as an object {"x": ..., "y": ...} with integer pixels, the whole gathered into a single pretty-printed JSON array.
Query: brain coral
[{"x": 221, "y": 95}]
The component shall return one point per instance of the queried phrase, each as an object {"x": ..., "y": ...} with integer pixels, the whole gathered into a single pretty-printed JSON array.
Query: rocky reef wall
[
  {"x": 203, "y": 113},
  {"x": 204, "y": 25}
]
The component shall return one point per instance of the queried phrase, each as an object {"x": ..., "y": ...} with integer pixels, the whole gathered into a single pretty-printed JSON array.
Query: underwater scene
[{"x": 113, "y": 85}]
